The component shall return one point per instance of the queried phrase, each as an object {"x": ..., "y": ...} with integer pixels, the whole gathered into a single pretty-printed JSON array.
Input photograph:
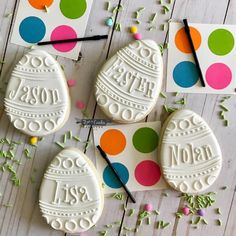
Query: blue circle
[
  {"x": 185, "y": 74},
  {"x": 32, "y": 29},
  {"x": 111, "y": 180}
]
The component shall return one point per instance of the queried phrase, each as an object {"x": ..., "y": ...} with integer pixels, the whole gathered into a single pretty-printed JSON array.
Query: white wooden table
[{"x": 24, "y": 218}]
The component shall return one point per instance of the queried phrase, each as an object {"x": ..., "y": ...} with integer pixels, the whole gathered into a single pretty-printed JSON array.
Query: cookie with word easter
[
  {"x": 71, "y": 197},
  {"x": 190, "y": 155},
  {"x": 129, "y": 84},
  {"x": 37, "y": 98}
]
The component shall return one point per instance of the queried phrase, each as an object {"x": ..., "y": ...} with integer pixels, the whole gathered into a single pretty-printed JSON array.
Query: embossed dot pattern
[
  {"x": 32, "y": 29},
  {"x": 147, "y": 173},
  {"x": 111, "y": 180},
  {"x": 145, "y": 140}
]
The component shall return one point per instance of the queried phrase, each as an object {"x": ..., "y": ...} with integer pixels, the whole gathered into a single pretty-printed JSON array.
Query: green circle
[
  {"x": 145, "y": 140},
  {"x": 73, "y": 9},
  {"x": 221, "y": 42}
]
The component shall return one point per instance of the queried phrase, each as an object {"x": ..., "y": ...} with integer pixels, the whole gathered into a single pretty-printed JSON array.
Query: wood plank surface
[{"x": 24, "y": 218}]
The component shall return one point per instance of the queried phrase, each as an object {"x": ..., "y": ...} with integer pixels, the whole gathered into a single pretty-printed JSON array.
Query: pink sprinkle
[
  {"x": 148, "y": 207},
  {"x": 185, "y": 210},
  {"x": 71, "y": 82},
  {"x": 80, "y": 104},
  {"x": 137, "y": 36}
]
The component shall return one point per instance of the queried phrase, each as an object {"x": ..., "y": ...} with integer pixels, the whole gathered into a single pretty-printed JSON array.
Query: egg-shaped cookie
[
  {"x": 71, "y": 197},
  {"x": 190, "y": 154},
  {"x": 37, "y": 99},
  {"x": 129, "y": 83}
]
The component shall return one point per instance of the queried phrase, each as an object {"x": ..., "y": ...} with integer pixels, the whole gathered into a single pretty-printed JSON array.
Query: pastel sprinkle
[
  {"x": 148, "y": 207},
  {"x": 71, "y": 83},
  {"x": 33, "y": 140},
  {"x": 133, "y": 29},
  {"x": 109, "y": 22},
  {"x": 137, "y": 36},
  {"x": 185, "y": 210},
  {"x": 80, "y": 104}
]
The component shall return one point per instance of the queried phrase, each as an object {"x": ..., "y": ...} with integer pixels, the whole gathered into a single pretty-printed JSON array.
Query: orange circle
[
  {"x": 40, "y": 4},
  {"x": 113, "y": 142},
  {"x": 182, "y": 43}
]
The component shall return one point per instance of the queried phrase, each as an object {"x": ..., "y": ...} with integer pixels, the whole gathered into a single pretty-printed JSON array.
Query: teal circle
[
  {"x": 32, "y": 29},
  {"x": 221, "y": 42},
  {"x": 111, "y": 180},
  {"x": 185, "y": 74},
  {"x": 145, "y": 140},
  {"x": 73, "y": 9}
]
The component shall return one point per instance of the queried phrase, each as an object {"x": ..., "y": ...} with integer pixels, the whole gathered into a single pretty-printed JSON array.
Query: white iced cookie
[
  {"x": 37, "y": 98},
  {"x": 129, "y": 83},
  {"x": 71, "y": 197},
  {"x": 190, "y": 155}
]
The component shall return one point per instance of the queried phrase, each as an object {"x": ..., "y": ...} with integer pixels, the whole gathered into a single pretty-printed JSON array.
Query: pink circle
[
  {"x": 147, "y": 173},
  {"x": 71, "y": 82},
  {"x": 80, "y": 104},
  {"x": 63, "y": 32},
  {"x": 218, "y": 76}
]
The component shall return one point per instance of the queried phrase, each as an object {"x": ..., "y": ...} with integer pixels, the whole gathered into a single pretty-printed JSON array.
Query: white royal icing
[
  {"x": 37, "y": 98},
  {"x": 71, "y": 197},
  {"x": 129, "y": 83},
  {"x": 191, "y": 157}
]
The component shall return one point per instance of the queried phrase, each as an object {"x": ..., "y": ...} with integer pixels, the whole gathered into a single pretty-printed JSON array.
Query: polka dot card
[
  {"x": 47, "y": 20},
  {"x": 215, "y": 48},
  {"x": 132, "y": 149}
]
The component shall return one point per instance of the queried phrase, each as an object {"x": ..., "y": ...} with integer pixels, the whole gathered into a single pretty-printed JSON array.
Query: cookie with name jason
[
  {"x": 190, "y": 154},
  {"x": 71, "y": 197},
  {"x": 129, "y": 83},
  {"x": 37, "y": 98}
]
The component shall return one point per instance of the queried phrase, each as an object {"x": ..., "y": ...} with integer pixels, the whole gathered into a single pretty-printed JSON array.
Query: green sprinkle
[
  {"x": 153, "y": 18},
  {"x": 165, "y": 9},
  {"x": 165, "y": 225},
  {"x": 118, "y": 27},
  {"x": 158, "y": 224},
  {"x": 63, "y": 67},
  {"x": 27, "y": 152},
  {"x": 103, "y": 233},
  {"x": 165, "y": 194},
  {"x": 151, "y": 28},
  {"x": 70, "y": 134},
  {"x": 60, "y": 145},
  {"x": 139, "y": 222},
  {"x": 222, "y": 116},
  {"x": 46, "y": 8},
  {"x": 138, "y": 22},
  {"x": 163, "y": 27},
  {"x": 64, "y": 138},
  {"x": 131, "y": 212},
  {"x": 157, "y": 212},
  {"x": 76, "y": 138},
  {"x": 32, "y": 179},
  {"x": 198, "y": 219},
  {"x": 204, "y": 221},
  {"x": 141, "y": 9},
  {"x": 182, "y": 101},
  {"x": 127, "y": 228},
  {"x": 109, "y": 226},
  {"x": 9, "y": 15},
  {"x": 117, "y": 222},
  {"x": 118, "y": 196},
  {"x": 224, "y": 108},
  {"x": 179, "y": 215},
  {"x": 219, "y": 222},
  {"x": 142, "y": 215},
  {"x": 2, "y": 62},
  {"x": 136, "y": 15},
  {"x": 107, "y": 6},
  {"x": 226, "y": 123},
  {"x": 166, "y": 108},
  {"x": 163, "y": 95},
  {"x": 7, "y": 205},
  {"x": 176, "y": 94},
  {"x": 224, "y": 187},
  {"x": 148, "y": 220},
  {"x": 218, "y": 211}
]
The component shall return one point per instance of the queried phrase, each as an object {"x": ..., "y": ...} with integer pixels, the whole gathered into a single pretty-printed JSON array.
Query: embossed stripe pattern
[
  {"x": 115, "y": 97},
  {"x": 66, "y": 177},
  {"x": 152, "y": 68},
  {"x": 194, "y": 168},
  {"x": 34, "y": 75}
]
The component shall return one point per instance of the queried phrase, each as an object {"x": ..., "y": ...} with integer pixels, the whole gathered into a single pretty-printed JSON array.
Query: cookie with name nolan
[
  {"x": 129, "y": 83},
  {"x": 71, "y": 197},
  {"x": 37, "y": 98},
  {"x": 190, "y": 154}
]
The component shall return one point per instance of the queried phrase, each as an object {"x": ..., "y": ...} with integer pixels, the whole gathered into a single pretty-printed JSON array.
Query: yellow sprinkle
[
  {"x": 33, "y": 140},
  {"x": 133, "y": 29},
  {"x": 46, "y": 8}
]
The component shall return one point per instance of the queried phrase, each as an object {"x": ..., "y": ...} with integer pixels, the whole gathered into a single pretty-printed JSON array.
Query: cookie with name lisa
[
  {"x": 37, "y": 98},
  {"x": 129, "y": 83},
  {"x": 71, "y": 197},
  {"x": 190, "y": 154}
]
